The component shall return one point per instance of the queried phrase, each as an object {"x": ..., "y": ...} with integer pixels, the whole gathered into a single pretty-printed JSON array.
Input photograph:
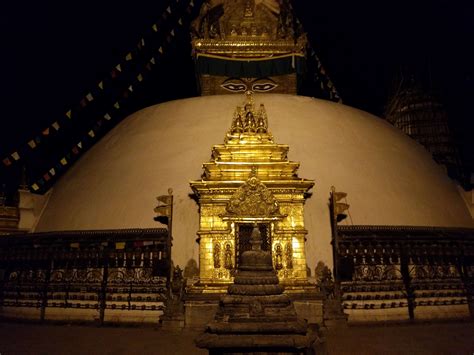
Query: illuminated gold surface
[
  {"x": 247, "y": 29},
  {"x": 249, "y": 179}
]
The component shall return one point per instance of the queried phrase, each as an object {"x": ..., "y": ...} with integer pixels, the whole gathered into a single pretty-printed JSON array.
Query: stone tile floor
[{"x": 434, "y": 338}]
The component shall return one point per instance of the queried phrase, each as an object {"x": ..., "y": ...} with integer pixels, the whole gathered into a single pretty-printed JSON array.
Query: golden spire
[{"x": 249, "y": 121}]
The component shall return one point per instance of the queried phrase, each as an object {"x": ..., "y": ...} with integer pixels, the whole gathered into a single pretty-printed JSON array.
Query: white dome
[{"x": 389, "y": 178}]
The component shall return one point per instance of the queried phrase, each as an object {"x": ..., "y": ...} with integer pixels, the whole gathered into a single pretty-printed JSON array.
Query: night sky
[{"x": 55, "y": 52}]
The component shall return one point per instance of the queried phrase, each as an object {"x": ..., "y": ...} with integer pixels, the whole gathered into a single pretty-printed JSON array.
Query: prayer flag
[
  {"x": 101, "y": 85},
  {"x": 89, "y": 97},
  {"x": 172, "y": 32},
  {"x": 74, "y": 245},
  {"x": 7, "y": 162},
  {"x": 117, "y": 105},
  {"x": 128, "y": 56},
  {"x": 120, "y": 245},
  {"x": 166, "y": 199},
  {"x": 160, "y": 50},
  {"x": 63, "y": 161},
  {"x": 75, "y": 150},
  {"x": 83, "y": 102},
  {"x": 16, "y": 156},
  {"x": 155, "y": 27},
  {"x": 148, "y": 242},
  {"x": 152, "y": 60},
  {"x": 107, "y": 117},
  {"x": 69, "y": 114},
  {"x": 52, "y": 171},
  {"x": 35, "y": 187},
  {"x": 139, "y": 77},
  {"x": 91, "y": 133},
  {"x": 138, "y": 243},
  {"x": 32, "y": 144},
  {"x": 79, "y": 145},
  {"x": 130, "y": 88},
  {"x": 164, "y": 210},
  {"x": 180, "y": 21},
  {"x": 168, "y": 10},
  {"x": 118, "y": 67},
  {"x": 46, "y": 177},
  {"x": 56, "y": 125},
  {"x": 46, "y": 132}
]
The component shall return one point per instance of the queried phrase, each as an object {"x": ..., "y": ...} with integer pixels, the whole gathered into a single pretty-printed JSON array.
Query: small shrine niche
[{"x": 250, "y": 182}]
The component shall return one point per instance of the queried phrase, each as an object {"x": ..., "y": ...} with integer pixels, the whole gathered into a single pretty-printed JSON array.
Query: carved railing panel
[
  {"x": 87, "y": 275},
  {"x": 427, "y": 272}
]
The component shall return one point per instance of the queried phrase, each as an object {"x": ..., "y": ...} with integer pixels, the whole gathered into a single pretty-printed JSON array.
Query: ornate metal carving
[{"x": 253, "y": 199}]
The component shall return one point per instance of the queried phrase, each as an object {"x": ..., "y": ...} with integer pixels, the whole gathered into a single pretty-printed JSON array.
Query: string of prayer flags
[{"x": 121, "y": 67}]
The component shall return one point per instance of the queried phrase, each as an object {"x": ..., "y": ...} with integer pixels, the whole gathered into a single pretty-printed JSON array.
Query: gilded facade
[{"x": 249, "y": 180}]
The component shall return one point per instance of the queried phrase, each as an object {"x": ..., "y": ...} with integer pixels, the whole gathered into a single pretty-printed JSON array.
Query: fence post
[{"x": 103, "y": 286}]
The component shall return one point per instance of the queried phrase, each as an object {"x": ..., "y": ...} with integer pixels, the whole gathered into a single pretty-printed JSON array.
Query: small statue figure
[
  {"x": 228, "y": 257},
  {"x": 278, "y": 257},
  {"x": 217, "y": 256}
]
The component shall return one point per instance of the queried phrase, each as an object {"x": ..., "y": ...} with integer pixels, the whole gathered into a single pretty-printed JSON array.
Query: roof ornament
[{"x": 249, "y": 120}]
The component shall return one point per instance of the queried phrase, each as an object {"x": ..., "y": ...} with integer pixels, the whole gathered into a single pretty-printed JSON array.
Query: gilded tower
[
  {"x": 249, "y": 182},
  {"x": 241, "y": 45}
]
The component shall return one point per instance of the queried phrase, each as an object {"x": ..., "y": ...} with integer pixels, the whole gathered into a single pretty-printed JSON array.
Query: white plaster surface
[{"x": 389, "y": 178}]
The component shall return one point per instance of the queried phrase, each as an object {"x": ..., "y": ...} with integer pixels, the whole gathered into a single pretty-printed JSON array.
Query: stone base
[
  {"x": 260, "y": 344},
  {"x": 311, "y": 310},
  {"x": 199, "y": 313},
  {"x": 172, "y": 324}
]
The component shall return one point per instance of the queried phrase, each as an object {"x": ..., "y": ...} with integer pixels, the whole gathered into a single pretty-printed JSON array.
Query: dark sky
[{"x": 54, "y": 52}]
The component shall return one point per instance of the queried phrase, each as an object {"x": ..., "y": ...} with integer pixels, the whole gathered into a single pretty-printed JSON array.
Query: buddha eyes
[
  {"x": 258, "y": 85},
  {"x": 235, "y": 87},
  {"x": 262, "y": 87}
]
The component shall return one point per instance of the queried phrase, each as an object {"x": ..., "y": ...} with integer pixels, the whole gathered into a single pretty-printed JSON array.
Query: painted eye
[
  {"x": 234, "y": 87},
  {"x": 264, "y": 86}
]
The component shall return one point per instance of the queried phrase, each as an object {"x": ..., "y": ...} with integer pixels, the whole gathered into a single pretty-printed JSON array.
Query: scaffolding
[{"x": 421, "y": 116}]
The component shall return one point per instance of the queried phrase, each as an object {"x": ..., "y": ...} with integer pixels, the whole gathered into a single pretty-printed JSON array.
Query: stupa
[{"x": 255, "y": 315}]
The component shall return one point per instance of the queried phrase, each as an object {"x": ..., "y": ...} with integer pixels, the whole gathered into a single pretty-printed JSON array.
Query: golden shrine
[
  {"x": 249, "y": 180},
  {"x": 241, "y": 45}
]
